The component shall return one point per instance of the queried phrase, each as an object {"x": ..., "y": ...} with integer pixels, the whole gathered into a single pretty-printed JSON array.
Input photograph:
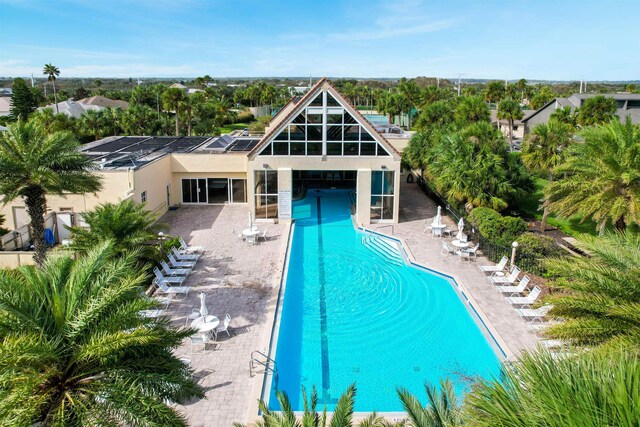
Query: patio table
[
  {"x": 205, "y": 324},
  {"x": 458, "y": 244}
]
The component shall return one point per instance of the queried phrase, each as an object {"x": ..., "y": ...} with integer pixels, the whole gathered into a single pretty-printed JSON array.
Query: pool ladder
[{"x": 258, "y": 359}]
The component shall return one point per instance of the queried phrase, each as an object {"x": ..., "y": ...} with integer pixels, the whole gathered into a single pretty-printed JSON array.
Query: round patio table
[
  {"x": 250, "y": 232},
  {"x": 458, "y": 244},
  {"x": 205, "y": 324}
]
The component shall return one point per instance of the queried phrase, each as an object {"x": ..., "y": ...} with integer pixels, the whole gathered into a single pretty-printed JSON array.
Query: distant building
[
  {"x": 628, "y": 104},
  {"x": 72, "y": 108},
  {"x": 5, "y": 105},
  {"x": 102, "y": 101},
  {"x": 6, "y": 91},
  {"x": 179, "y": 86},
  {"x": 518, "y": 125}
]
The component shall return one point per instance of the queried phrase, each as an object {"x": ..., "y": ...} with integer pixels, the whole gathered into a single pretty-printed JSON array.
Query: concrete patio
[
  {"x": 415, "y": 207},
  {"x": 238, "y": 279}
]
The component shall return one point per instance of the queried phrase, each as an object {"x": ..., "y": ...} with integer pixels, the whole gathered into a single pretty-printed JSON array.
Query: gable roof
[
  {"x": 280, "y": 121},
  {"x": 103, "y": 101}
]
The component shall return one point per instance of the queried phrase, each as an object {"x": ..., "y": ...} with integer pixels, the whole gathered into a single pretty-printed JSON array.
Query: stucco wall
[{"x": 153, "y": 179}]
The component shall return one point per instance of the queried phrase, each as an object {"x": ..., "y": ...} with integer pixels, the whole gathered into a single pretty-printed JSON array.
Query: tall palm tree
[
  {"x": 443, "y": 408},
  {"x": 75, "y": 350},
  {"x": 127, "y": 224},
  {"x": 171, "y": 100},
  {"x": 34, "y": 164},
  {"x": 52, "y": 72},
  {"x": 602, "y": 177},
  {"x": 411, "y": 93},
  {"x": 542, "y": 390},
  {"x": 188, "y": 106},
  {"x": 509, "y": 110},
  {"x": 471, "y": 109},
  {"x": 544, "y": 149},
  {"x": 601, "y": 293}
]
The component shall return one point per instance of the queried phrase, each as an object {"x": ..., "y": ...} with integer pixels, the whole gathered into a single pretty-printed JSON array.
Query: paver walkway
[
  {"x": 238, "y": 279},
  {"x": 415, "y": 207}
]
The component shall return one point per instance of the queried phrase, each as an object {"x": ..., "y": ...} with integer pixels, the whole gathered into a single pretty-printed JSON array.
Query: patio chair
[
  {"x": 469, "y": 253},
  {"x": 534, "y": 315},
  {"x": 224, "y": 327},
  {"x": 493, "y": 268},
  {"x": 448, "y": 232},
  {"x": 163, "y": 288},
  {"x": 515, "y": 290},
  {"x": 174, "y": 271},
  {"x": 446, "y": 249},
  {"x": 195, "y": 314},
  {"x": 509, "y": 280},
  {"x": 239, "y": 236},
  {"x": 427, "y": 225},
  {"x": 251, "y": 239},
  {"x": 187, "y": 248},
  {"x": 528, "y": 300},
  {"x": 201, "y": 339},
  {"x": 170, "y": 280},
  {"x": 184, "y": 257},
  {"x": 174, "y": 263},
  {"x": 436, "y": 231},
  {"x": 263, "y": 235}
]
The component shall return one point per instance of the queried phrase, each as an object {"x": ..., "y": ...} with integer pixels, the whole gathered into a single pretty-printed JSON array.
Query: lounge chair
[
  {"x": 184, "y": 247},
  {"x": 174, "y": 271},
  {"x": 174, "y": 263},
  {"x": 528, "y": 300},
  {"x": 493, "y": 268},
  {"x": 169, "y": 280},
  {"x": 514, "y": 290},
  {"x": 534, "y": 314},
  {"x": 184, "y": 257},
  {"x": 172, "y": 290},
  {"x": 509, "y": 280},
  {"x": 163, "y": 300}
]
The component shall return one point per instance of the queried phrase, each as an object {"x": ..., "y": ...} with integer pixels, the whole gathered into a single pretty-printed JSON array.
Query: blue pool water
[
  {"x": 352, "y": 315},
  {"x": 377, "y": 119}
]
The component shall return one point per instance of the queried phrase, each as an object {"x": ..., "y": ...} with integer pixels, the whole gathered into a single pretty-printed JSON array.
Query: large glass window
[
  {"x": 266, "y": 191},
  {"x": 382, "y": 195},
  {"x": 344, "y": 135}
]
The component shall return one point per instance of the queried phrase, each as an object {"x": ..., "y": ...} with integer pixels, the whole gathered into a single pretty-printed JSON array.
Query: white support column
[
  {"x": 324, "y": 124},
  {"x": 363, "y": 202},
  {"x": 396, "y": 196}
]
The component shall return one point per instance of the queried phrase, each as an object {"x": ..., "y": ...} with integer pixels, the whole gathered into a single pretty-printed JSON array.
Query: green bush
[
  {"x": 533, "y": 249},
  {"x": 244, "y": 116},
  {"x": 498, "y": 229}
]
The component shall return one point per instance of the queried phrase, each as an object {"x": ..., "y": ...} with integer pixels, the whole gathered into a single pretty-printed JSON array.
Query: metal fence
[{"x": 493, "y": 251}]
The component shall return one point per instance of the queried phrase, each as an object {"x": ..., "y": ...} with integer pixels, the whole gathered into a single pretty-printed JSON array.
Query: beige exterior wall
[{"x": 153, "y": 179}]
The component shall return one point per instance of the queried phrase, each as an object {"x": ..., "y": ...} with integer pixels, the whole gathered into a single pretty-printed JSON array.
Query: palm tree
[
  {"x": 127, "y": 224},
  {"x": 138, "y": 120},
  {"x": 411, "y": 93},
  {"x": 92, "y": 122},
  {"x": 601, "y": 293},
  {"x": 52, "y": 72},
  {"x": 602, "y": 177},
  {"x": 76, "y": 351},
  {"x": 443, "y": 407},
  {"x": 542, "y": 390},
  {"x": 34, "y": 164},
  {"x": 471, "y": 109},
  {"x": 188, "y": 107},
  {"x": 544, "y": 149},
  {"x": 509, "y": 109},
  {"x": 171, "y": 100}
]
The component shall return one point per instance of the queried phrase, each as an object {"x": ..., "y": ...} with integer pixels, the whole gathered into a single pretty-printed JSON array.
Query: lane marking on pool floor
[{"x": 324, "y": 342}]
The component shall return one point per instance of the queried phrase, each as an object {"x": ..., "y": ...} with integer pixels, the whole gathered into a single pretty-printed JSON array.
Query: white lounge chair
[
  {"x": 187, "y": 248},
  {"x": 514, "y": 290},
  {"x": 225, "y": 326},
  {"x": 174, "y": 263},
  {"x": 184, "y": 257},
  {"x": 493, "y": 268},
  {"x": 163, "y": 288},
  {"x": 534, "y": 314},
  {"x": 169, "y": 280},
  {"x": 163, "y": 300},
  {"x": 510, "y": 279},
  {"x": 174, "y": 271},
  {"x": 528, "y": 300}
]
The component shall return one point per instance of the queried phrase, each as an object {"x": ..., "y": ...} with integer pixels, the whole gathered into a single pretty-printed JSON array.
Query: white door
[{"x": 63, "y": 221}]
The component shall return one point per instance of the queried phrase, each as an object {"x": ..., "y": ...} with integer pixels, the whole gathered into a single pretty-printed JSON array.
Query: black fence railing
[{"x": 493, "y": 251}]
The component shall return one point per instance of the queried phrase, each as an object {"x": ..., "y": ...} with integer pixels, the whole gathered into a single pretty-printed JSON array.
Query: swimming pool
[{"x": 353, "y": 311}]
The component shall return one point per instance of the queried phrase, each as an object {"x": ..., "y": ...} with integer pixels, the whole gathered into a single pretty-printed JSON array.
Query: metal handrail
[
  {"x": 266, "y": 363},
  {"x": 393, "y": 230}
]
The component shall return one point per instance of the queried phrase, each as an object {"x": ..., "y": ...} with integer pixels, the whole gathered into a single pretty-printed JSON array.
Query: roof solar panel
[{"x": 243, "y": 144}]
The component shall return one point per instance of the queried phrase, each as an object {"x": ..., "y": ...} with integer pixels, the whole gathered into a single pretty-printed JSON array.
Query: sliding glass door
[{"x": 214, "y": 190}]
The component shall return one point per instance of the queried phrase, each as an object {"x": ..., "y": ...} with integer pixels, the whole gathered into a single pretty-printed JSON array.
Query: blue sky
[{"x": 561, "y": 39}]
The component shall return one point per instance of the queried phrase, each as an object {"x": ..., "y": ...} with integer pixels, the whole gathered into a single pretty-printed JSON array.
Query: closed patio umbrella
[
  {"x": 250, "y": 221},
  {"x": 460, "y": 229},
  {"x": 438, "y": 219},
  {"x": 203, "y": 305}
]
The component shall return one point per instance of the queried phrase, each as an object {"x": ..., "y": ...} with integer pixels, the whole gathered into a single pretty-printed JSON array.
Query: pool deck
[
  {"x": 415, "y": 207},
  {"x": 238, "y": 279}
]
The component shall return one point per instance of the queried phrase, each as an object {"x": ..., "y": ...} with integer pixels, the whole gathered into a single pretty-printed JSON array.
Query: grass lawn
[
  {"x": 233, "y": 126},
  {"x": 528, "y": 207}
]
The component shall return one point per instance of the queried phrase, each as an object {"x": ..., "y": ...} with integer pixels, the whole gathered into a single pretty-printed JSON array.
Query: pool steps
[{"x": 383, "y": 248}]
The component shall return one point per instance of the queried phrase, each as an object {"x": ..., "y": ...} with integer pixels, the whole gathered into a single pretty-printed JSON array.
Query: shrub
[
  {"x": 498, "y": 229},
  {"x": 260, "y": 124},
  {"x": 533, "y": 248},
  {"x": 244, "y": 116}
]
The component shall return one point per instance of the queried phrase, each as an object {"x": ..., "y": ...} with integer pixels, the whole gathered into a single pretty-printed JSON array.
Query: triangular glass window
[
  {"x": 382, "y": 151},
  {"x": 317, "y": 102},
  {"x": 331, "y": 101},
  {"x": 266, "y": 151},
  {"x": 348, "y": 119}
]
